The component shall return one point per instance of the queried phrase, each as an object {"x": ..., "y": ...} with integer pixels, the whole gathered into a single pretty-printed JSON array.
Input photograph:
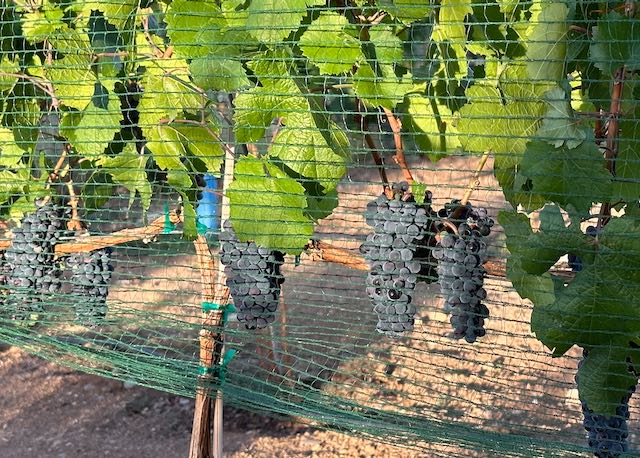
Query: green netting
[{"x": 152, "y": 124}]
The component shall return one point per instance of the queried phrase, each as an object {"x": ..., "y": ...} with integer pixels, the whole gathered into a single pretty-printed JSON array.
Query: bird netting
[{"x": 410, "y": 221}]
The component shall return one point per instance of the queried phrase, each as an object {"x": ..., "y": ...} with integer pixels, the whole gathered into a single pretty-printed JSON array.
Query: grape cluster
[
  {"x": 91, "y": 274},
  {"x": 399, "y": 224},
  {"x": 253, "y": 277},
  {"x": 607, "y": 436},
  {"x": 460, "y": 269},
  {"x": 33, "y": 277}
]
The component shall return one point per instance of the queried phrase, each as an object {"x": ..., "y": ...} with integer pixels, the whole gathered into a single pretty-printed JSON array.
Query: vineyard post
[{"x": 212, "y": 348}]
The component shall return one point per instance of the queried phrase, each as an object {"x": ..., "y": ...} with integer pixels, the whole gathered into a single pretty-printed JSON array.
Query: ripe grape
[
  {"x": 460, "y": 269},
  {"x": 399, "y": 225},
  {"x": 33, "y": 275},
  {"x": 607, "y": 435},
  {"x": 91, "y": 274},
  {"x": 253, "y": 277}
]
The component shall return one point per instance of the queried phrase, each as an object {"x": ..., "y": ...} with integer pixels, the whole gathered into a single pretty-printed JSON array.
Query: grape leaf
[
  {"x": 406, "y": 11},
  {"x": 198, "y": 28},
  {"x": 128, "y": 169},
  {"x": 320, "y": 205},
  {"x": 505, "y": 132},
  {"x": 547, "y": 37},
  {"x": 574, "y": 177},
  {"x": 604, "y": 378},
  {"x": 305, "y": 151},
  {"x": 200, "y": 142},
  {"x": 73, "y": 80},
  {"x": 386, "y": 90},
  {"x": 451, "y": 27},
  {"x": 116, "y": 12},
  {"x": 39, "y": 24},
  {"x": 268, "y": 207},
  {"x": 536, "y": 252},
  {"x": 93, "y": 129},
  {"x": 559, "y": 126},
  {"x": 436, "y": 132},
  {"x": 165, "y": 144},
  {"x": 233, "y": 12},
  {"x": 330, "y": 44},
  {"x": 256, "y": 108},
  {"x": 7, "y": 81},
  {"x": 271, "y": 21},
  {"x": 10, "y": 152},
  {"x": 218, "y": 74},
  {"x": 626, "y": 184},
  {"x": 601, "y": 290},
  {"x": 387, "y": 44},
  {"x": 166, "y": 92},
  {"x": 616, "y": 42}
]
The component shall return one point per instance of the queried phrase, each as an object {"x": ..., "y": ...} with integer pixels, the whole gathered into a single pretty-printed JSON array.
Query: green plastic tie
[
  {"x": 226, "y": 309},
  {"x": 201, "y": 228},
  {"x": 168, "y": 225},
  {"x": 219, "y": 371}
]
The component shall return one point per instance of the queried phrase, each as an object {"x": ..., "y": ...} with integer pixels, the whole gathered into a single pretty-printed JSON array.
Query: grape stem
[
  {"x": 377, "y": 157},
  {"x": 611, "y": 145},
  {"x": 475, "y": 180},
  {"x": 399, "y": 157}
]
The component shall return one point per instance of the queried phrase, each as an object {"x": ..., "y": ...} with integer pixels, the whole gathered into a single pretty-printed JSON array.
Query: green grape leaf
[
  {"x": 10, "y": 152},
  {"x": 116, "y": 12},
  {"x": 197, "y": 29},
  {"x": 418, "y": 190},
  {"x": 97, "y": 190},
  {"x": 406, "y": 11},
  {"x": 38, "y": 25},
  {"x": 505, "y": 132},
  {"x": 8, "y": 81},
  {"x": 626, "y": 184},
  {"x": 604, "y": 378},
  {"x": 202, "y": 143},
  {"x": 268, "y": 207},
  {"x": 574, "y": 177},
  {"x": 559, "y": 126},
  {"x": 330, "y": 44},
  {"x": 305, "y": 151},
  {"x": 189, "y": 225},
  {"x": 386, "y": 90},
  {"x": 91, "y": 131},
  {"x": 616, "y": 42},
  {"x": 23, "y": 115},
  {"x": 233, "y": 12},
  {"x": 271, "y": 21},
  {"x": 321, "y": 205},
  {"x": 452, "y": 28},
  {"x": 256, "y": 108},
  {"x": 602, "y": 289},
  {"x": 128, "y": 169},
  {"x": 219, "y": 74},
  {"x": 165, "y": 144},
  {"x": 73, "y": 80},
  {"x": 167, "y": 92},
  {"x": 547, "y": 38},
  {"x": 536, "y": 252},
  {"x": 436, "y": 133},
  {"x": 387, "y": 44}
]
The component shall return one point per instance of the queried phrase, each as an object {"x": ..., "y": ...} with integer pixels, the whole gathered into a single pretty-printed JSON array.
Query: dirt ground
[{"x": 51, "y": 411}]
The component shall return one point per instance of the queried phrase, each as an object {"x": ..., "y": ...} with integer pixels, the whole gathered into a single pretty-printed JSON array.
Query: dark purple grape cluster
[
  {"x": 399, "y": 224},
  {"x": 33, "y": 277},
  {"x": 253, "y": 277},
  {"x": 90, "y": 278},
  {"x": 607, "y": 435},
  {"x": 460, "y": 269}
]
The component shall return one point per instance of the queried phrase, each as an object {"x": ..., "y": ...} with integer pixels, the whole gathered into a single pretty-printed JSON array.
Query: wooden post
[{"x": 214, "y": 290}]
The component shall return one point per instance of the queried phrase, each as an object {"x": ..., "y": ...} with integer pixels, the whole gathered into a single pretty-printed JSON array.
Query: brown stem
[
  {"x": 74, "y": 223},
  {"x": 611, "y": 148},
  {"x": 399, "y": 157},
  {"x": 377, "y": 157},
  {"x": 44, "y": 85},
  {"x": 157, "y": 52},
  {"x": 475, "y": 180}
]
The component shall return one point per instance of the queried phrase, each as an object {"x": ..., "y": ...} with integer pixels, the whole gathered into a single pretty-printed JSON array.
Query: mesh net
[{"x": 135, "y": 136}]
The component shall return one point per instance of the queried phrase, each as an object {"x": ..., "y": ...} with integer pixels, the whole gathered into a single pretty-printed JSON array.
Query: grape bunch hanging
[
  {"x": 461, "y": 253},
  {"x": 253, "y": 277},
  {"x": 91, "y": 274},
  {"x": 399, "y": 225}
]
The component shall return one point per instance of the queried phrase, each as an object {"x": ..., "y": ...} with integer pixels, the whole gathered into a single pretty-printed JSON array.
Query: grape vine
[{"x": 550, "y": 88}]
